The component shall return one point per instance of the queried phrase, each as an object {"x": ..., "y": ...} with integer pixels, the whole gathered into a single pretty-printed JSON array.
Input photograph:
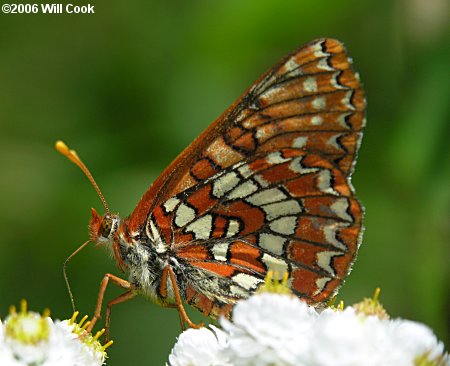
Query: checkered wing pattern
[{"x": 267, "y": 186}]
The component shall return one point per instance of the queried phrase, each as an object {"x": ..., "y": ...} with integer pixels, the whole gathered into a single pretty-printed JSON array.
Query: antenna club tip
[
  {"x": 61, "y": 147},
  {"x": 74, "y": 158},
  {"x": 64, "y": 150}
]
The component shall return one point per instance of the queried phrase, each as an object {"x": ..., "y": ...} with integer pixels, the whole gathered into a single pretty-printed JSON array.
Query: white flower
[
  {"x": 67, "y": 349},
  {"x": 371, "y": 340},
  {"x": 344, "y": 338},
  {"x": 410, "y": 340},
  {"x": 269, "y": 328},
  {"x": 6, "y": 356},
  {"x": 199, "y": 347},
  {"x": 28, "y": 338},
  {"x": 274, "y": 329}
]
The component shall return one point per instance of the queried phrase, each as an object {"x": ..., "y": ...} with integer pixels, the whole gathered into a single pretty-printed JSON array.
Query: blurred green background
[{"x": 133, "y": 84}]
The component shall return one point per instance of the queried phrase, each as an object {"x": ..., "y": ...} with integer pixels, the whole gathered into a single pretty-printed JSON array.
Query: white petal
[{"x": 199, "y": 347}]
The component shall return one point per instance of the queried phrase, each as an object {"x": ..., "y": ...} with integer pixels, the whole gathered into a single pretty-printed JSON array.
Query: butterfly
[{"x": 266, "y": 187}]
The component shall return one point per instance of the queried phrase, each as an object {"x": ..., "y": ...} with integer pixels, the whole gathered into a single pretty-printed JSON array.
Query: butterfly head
[{"x": 102, "y": 229}]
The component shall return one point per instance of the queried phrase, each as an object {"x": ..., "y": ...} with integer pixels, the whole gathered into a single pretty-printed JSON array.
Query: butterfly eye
[{"x": 105, "y": 228}]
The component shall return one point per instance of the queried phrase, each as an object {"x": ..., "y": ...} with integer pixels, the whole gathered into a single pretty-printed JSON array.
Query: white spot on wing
[
  {"x": 340, "y": 207},
  {"x": 245, "y": 171},
  {"x": 272, "y": 243},
  {"x": 261, "y": 181},
  {"x": 201, "y": 227},
  {"x": 341, "y": 119},
  {"x": 266, "y": 196},
  {"x": 225, "y": 184},
  {"x": 321, "y": 283},
  {"x": 153, "y": 233},
  {"x": 333, "y": 141},
  {"x": 324, "y": 260},
  {"x": 243, "y": 190},
  {"x": 334, "y": 82},
  {"x": 171, "y": 203},
  {"x": 155, "y": 236},
  {"x": 346, "y": 100},
  {"x": 276, "y": 158},
  {"x": 318, "y": 52},
  {"x": 284, "y": 208},
  {"x": 316, "y": 120},
  {"x": 219, "y": 251},
  {"x": 297, "y": 167},
  {"x": 310, "y": 85},
  {"x": 330, "y": 234},
  {"x": 291, "y": 68},
  {"x": 299, "y": 142},
  {"x": 247, "y": 281},
  {"x": 268, "y": 94},
  {"x": 233, "y": 228},
  {"x": 184, "y": 215},
  {"x": 323, "y": 65},
  {"x": 290, "y": 65},
  {"x": 324, "y": 182},
  {"x": 295, "y": 72},
  {"x": 277, "y": 265},
  {"x": 261, "y": 134},
  {"x": 284, "y": 225},
  {"x": 238, "y": 291},
  {"x": 319, "y": 103}
]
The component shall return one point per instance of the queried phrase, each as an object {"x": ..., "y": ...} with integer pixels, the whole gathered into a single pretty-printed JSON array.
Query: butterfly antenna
[
  {"x": 66, "y": 278},
  {"x": 73, "y": 157}
]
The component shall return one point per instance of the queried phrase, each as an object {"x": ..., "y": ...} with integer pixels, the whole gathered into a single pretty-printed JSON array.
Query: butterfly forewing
[
  {"x": 267, "y": 186},
  {"x": 311, "y": 100}
]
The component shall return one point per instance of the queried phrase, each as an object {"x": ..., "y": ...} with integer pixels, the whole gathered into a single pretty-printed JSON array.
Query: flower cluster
[
  {"x": 279, "y": 329},
  {"x": 29, "y": 338}
]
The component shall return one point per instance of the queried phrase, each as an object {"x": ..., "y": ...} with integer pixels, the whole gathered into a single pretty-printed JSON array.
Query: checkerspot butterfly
[{"x": 265, "y": 187}]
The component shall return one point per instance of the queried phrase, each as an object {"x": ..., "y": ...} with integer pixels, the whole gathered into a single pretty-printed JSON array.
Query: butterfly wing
[
  {"x": 287, "y": 210},
  {"x": 311, "y": 100},
  {"x": 267, "y": 186}
]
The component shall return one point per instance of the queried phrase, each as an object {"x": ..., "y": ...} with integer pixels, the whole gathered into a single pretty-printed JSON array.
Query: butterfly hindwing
[{"x": 288, "y": 211}]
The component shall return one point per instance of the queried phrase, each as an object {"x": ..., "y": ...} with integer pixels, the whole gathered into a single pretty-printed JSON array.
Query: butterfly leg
[
  {"x": 175, "y": 306},
  {"x": 163, "y": 293},
  {"x": 179, "y": 303},
  {"x": 124, "y": 297}
]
